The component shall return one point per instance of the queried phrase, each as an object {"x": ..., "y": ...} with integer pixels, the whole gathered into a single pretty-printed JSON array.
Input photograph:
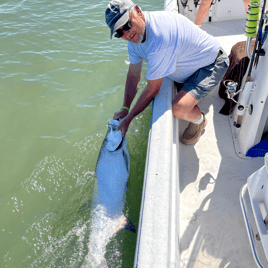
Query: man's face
[{"x": 137, "y": 24}]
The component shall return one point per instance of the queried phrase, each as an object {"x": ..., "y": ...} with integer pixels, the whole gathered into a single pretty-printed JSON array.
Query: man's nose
[{"x": 126, "y": 35}]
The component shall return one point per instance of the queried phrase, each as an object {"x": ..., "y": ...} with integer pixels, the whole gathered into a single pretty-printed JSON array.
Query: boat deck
[
  {"x": 212, "y": 231},
  {"x": 190, "y": 212}
]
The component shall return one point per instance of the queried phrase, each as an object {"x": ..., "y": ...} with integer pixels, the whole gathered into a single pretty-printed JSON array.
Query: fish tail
[
  {"x": 130, "y": 226},
  {"x": 125, "y": 224}
]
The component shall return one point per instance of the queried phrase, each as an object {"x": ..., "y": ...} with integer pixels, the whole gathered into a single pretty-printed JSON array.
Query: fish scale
[{"x": 112, "y": 172}]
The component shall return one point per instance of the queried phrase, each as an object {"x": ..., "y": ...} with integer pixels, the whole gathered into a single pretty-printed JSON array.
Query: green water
[{"x": 61, "y": 80}]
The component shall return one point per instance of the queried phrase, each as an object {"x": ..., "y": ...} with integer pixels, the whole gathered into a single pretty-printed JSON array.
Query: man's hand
[
  {"x": 124, "y": 124},
  {"x": 120, "y": 114}
]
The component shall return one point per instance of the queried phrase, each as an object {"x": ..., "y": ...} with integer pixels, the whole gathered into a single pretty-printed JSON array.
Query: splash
[{"x": 103, "y": 229}]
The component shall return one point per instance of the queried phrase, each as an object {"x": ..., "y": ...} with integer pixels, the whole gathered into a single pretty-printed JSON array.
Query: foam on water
[{"x": 103, "y": 229}]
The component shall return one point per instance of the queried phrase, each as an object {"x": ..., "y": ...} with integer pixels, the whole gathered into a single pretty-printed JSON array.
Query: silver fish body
[{"x": 112, "y": 172}]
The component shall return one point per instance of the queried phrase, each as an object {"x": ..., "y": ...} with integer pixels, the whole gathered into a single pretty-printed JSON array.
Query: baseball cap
[{"x": 116, "y": 14}]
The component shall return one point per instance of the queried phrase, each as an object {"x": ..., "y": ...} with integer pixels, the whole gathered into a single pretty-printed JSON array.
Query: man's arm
[
  {"x": 132, "y": 83},
  {"x": 150, "y": 91},
  {"x": 131, "y": 88}
]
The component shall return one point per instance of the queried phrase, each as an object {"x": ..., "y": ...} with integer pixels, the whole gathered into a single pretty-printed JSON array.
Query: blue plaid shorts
[{"x": 204, "y": 80}]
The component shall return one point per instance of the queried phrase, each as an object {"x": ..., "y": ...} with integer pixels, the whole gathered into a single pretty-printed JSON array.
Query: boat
[{"x": 201, "y": 204}]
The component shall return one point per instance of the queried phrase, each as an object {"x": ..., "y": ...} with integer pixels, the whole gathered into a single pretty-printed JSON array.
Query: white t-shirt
[{"x": 174, "y": 47}]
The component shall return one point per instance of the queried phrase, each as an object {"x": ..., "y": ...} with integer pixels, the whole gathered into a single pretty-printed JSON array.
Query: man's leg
[
  {"x": 197, "y": 87},
  {"x": 202, "y": 11},
  {"x": 246, "y": 2},
  {"x": 184, "y": 106}
]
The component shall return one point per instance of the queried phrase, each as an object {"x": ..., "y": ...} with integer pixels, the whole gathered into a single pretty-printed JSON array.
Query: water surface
[{"x": 61, "y": 80}]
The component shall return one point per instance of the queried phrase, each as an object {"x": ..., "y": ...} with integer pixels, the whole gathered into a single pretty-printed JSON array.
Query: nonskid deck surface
[{"x": 212, "y": 229}]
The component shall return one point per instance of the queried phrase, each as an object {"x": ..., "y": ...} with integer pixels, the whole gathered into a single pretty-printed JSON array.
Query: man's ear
[{"x": 138, "y": 10}]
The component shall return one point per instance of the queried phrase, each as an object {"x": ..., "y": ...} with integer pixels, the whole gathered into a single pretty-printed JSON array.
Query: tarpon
[{"x": 112, "y": 172}]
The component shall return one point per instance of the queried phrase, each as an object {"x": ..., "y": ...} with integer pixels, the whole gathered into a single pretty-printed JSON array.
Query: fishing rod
[
  {"x": 260, "y": 51},
  {"x": 250, "y": 32},
  {"x": 196, "y": 3},
  {"x": 184, "y": 4},
  {"x": 252, "y": 19},
  {"x": 178, "y": 6},
  {"x": 210, "y": 10}
]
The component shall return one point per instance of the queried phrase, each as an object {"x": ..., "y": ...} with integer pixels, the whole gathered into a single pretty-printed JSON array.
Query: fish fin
[{"x": 130, "y": 226}]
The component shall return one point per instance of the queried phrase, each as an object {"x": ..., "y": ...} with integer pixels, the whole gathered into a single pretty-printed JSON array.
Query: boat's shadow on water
[{"x": 211, "y": 176}]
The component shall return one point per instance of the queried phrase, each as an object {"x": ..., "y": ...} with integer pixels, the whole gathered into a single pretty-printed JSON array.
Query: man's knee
[
  {"x": 183, "y": 104},
  {"x": 178, "y": 110}
]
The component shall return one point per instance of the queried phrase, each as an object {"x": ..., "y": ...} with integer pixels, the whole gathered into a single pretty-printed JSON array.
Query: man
[
  {"x": 174, "y": 47},
  {"x": 204, "y": 9}
]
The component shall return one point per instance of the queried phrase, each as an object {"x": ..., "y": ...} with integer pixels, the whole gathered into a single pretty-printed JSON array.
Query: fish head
[{"x": 113, "y": 137}]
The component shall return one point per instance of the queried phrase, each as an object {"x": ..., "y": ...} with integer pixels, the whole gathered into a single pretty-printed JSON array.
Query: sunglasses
[{"x": 126, "y": 27}]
